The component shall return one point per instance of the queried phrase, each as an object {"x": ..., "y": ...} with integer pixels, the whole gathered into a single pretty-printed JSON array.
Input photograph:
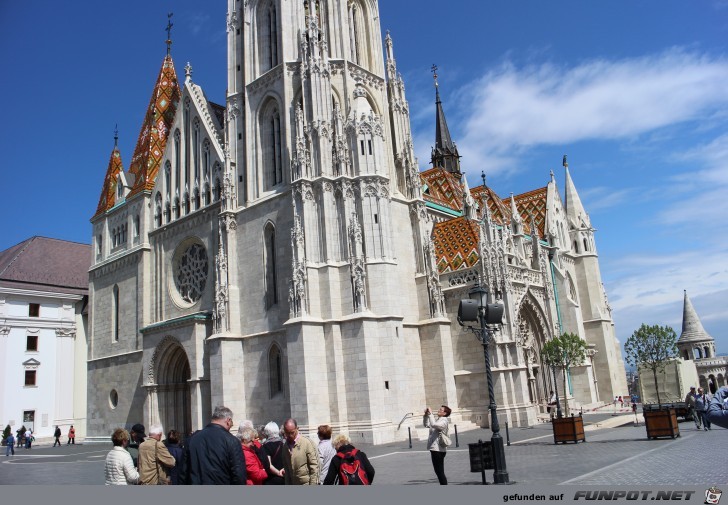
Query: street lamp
[{"x": 476, "y": 309}]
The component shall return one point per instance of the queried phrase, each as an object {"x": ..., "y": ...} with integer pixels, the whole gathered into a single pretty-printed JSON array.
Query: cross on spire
[
  {"x": 434, "y": 74},
  {"x": 169, "y": 32},
  {"x": 116, "y": 135}
]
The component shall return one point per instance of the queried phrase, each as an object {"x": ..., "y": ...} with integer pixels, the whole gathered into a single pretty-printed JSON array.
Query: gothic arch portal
[
  {"x": 532, "y": 333},
  {"x": 169, "y": 374}
]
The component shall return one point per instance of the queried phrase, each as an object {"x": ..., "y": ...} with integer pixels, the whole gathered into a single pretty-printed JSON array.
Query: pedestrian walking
[
  {"x": 690, "y": 401},
  {"x": 213, "y": 455},
  {"x": 154, "y": 459},
  {"x": 10, "y": 445},
  {"x": 29, "y": 438},
  {"x": 71, "y": 436},
  {"x": 300, "y": 457},
  {"x": 438, "y": 440},
  {"x": 349, "y": 466},
  {"x": 325, "y": 449},
  {"x": 119, "y": 468},
  {"x": 57, "y": 435},
  {"x": 701, "y": 405}
]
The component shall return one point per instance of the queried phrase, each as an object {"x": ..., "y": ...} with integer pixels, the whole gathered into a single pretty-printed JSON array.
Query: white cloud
[{"x": 511, "y": 108}]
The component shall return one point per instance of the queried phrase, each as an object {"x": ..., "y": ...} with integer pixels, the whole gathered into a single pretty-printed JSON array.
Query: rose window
[{"x": 190, "y": 272}]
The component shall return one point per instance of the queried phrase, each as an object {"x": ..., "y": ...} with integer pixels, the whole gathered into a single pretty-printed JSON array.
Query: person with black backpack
[{"x": 350, "y": 466}]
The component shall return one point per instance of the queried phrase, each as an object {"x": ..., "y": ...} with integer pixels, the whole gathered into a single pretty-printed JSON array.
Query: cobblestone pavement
[{"x": 611, "y": 456}]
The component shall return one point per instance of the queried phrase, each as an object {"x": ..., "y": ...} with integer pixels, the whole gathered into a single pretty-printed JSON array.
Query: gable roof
[
  {"x": 155, "y": 129},
  {"x": 442, "y": 188},
  {"x": 46, "y": 264}
]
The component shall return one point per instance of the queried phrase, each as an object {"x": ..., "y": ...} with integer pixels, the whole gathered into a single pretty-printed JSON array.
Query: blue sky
[{"x": 635, "y": 92}]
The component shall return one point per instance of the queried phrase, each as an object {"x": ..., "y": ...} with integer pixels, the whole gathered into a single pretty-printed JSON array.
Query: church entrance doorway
[{"x": 173, "y": 390}]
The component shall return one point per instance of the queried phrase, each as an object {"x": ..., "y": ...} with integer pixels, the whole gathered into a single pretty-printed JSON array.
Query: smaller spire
[
  {"x": 564, "y": 163},
  {"x": 116, "y": 135},
  {"x": 188, "y": 72},
  {"x": 169, "y": 32}
]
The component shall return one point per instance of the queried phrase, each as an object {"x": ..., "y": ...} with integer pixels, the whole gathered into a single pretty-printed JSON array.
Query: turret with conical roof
[
  {"x": 107, "y": 199},
  {"x": 694, "y": 341}
]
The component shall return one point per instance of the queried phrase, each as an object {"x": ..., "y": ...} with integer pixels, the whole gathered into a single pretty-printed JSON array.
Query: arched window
[
  {"x": 168, "y": 178},
  {"x": 268, "y": 36},
  {"x": 176, "y": 208},
  {"x": 586, "y": 245},
  {"x": 275, "y": 370},
  {"x": 271, "y": 147},
  {"x": 115, "y": 313},
  {"x": 218, "y": 190},
  {"x": 168, "y": 213},
  {"x": 706, "y": 352},
  {"x": 207, "y": 195},
  {"x": 197, "y": 198},
  {"x": 196, "y": 148},
  {"x": 358, "y": 39},
  {"x": 576, "y": 246},
  {"x": 187, "y": 203},
  {"x": 177, "y": 161},
  {"x": 158, "y": 210},
  {"x": 137, "y": 226},
  {"x": 697, "y": 353},
  {"x": 269, "y": 261}
]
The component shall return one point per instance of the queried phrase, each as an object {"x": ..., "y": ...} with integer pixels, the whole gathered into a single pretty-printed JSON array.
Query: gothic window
[
  {"x": 275, "y": 370},
  {"x": 706, "y": 352},
  {"x": 697, "y": 353},
  {"x": 206, "y": 160},
  {"x": 269, "y": 259},
  {"x": 158, "y": 210},
  {"x": 168, "y": 213},
  {"x": 187, "y": 203},
  {"x": 196, "y": 148},
  {"x": 586, "y": 246},
  {"x": 99, "y": 245},
  {"x": 197, "y": 198},
  {"x": 187, "y": 131},
  {"x": 115, "y": 313},
  {"x": 137, "y": 227},
  {"x": 576, "y": 246},
  {"x": 190, "y": 265},
  {"x": 271, "y": 146},
  {"x": 268, "y": 36},
  {"x": 177, "y": 161},
  {"x": 207, "y": 194},
  {"x": 119, "y": 189},
  {"x": 168, "y": 177},
  {"x": 358, "y": 39},
  {"x": 686, "y": 355},
  {"x": 176, "y": 208},
  {"x": 218, "y": 190}
]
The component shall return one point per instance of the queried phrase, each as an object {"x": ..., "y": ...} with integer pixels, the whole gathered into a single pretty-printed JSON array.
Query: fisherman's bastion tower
[{"x": 283, "y": 255}]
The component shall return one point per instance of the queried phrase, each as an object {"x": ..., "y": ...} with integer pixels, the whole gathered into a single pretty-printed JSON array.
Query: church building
[{"x": 283, "y": 255}]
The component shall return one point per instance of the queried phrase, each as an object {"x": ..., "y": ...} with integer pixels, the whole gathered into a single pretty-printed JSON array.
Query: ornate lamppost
[{"x": 476, "y": 309}]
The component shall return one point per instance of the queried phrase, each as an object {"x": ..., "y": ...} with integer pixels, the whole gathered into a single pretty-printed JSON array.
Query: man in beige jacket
[
  {"x": 300, "y": 457},
  {"x": 154, "y": 458}
]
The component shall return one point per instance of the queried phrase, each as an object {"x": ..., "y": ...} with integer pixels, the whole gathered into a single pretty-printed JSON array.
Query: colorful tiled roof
[
  {"x": 106, "y": 201},
  {"x": 155, "y": 129},
  {"x": 456, "y": 244},
  {"x": 442, "y": 188},
  {"x": 533, "y": 203}
]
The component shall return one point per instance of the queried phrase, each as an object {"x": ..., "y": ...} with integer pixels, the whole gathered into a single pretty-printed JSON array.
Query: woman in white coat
[
  {"x": 119, "y": 469},
  {"x": 435, "y": 443}
]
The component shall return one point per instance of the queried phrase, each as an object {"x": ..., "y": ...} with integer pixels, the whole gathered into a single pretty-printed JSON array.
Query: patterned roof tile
[
  {"x": 442, "y": 188},
  {"x": 456, "y": 244},
  {"x": 155, "y": 129},
  {"x": 106, "y": 201}
]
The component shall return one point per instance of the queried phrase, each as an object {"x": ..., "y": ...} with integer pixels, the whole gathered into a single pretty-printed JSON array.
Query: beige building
[{"x": 284, "y": 256}]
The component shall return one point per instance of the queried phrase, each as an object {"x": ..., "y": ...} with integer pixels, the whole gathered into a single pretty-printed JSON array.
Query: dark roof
[
  {"x": 46, "y": 264},
  {"x": 219, "y": 111}
]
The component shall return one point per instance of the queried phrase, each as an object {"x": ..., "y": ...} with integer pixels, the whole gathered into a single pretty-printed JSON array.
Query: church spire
[
  {"x": 445, "y": 153},
  {"x": 574, "y": 209},
  {"x": 115, "y": 167}
]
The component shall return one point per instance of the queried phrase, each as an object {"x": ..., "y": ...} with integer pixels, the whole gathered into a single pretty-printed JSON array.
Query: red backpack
[{"x": 351, "y": 471}]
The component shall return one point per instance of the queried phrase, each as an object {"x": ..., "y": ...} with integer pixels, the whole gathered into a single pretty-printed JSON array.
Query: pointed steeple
[
  {"x": 574, "y": 209},
  {"x": 469, "y": 210},
  {"x": 692, "y": 328},
  {"x": 106, "y": 201},
  {"x": 155, "y": 129},
  {"x": 445, "y": 153}
]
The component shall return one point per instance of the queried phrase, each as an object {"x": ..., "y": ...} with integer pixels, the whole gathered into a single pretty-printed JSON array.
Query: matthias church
[{"x": 283, "y": 255}]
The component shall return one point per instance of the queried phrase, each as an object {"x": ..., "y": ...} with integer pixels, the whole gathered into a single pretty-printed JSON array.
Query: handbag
[{"x": 443, "y": 439}]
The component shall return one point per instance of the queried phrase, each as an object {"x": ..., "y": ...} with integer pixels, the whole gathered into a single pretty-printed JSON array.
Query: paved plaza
[{"x": 615, "y": 456}]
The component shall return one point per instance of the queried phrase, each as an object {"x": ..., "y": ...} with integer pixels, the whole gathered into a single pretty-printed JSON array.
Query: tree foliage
[
  {"x": 563, "y": 352},
  {"x": 652, "y": 347}
]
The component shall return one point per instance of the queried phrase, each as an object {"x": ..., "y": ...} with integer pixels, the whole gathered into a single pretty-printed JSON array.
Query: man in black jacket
[{"x": 213, "y": 455}]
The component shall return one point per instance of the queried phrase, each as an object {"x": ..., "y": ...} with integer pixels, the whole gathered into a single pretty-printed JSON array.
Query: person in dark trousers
[
  {"x": 10, "y": 445},
  {"x": 342, "y": 446},
  {"x": 213, "y": 455},
  {"x": 71, "y": 436},
  {"x": 136, "y": 436},
  {"x": 175, "y": 449},
  {"x": 57, "y": 434},
  {"x": 438, "y": 450}
]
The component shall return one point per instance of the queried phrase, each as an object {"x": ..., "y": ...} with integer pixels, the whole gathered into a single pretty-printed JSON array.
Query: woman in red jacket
[{"x": 255, "y": 469}]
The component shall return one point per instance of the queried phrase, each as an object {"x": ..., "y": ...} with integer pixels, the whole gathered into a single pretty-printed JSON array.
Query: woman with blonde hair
[{"x": 119, "y": 468}]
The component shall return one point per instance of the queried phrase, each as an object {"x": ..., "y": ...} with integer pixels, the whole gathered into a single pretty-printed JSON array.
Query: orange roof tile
[
  {"x": 443, "y": 188},
  {"x": 456, "y": 244},
  {"x": 106, "y": 201},
  {"x": 155, "y": 129},
  {"x": 533, "y": 203}
]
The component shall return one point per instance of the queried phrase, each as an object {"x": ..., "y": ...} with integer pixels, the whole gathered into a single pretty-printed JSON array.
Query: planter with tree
[
  {"x": 652, "y": 348},
  {"x": 563, "y": 352}
]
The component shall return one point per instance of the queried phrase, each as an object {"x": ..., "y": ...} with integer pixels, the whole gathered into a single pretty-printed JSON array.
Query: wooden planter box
[
  {"x": 661, "y": 423},
  {"x": 568, "y": 429}
]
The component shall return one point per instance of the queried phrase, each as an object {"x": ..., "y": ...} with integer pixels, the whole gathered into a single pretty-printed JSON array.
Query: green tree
[
  {"x": 564, "y": 352},
  {"x": 6, "y": 433},
  {"x": 652, "y": 347}
]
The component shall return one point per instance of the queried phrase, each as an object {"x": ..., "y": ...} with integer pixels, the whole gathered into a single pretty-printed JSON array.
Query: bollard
[
  {"x": 508, "y": 436},
  {"x": 457, "y": 442},
  {"x": 409, "y": 432}
]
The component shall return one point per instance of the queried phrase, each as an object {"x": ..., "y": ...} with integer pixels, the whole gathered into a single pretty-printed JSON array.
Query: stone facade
[{"x": 285, "y": 257}]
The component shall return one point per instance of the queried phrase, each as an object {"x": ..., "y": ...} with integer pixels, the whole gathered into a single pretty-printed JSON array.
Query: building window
[
  {"x": 115, "y": 313},
  {"x": 31, "y": 343},
  {"x": 275, "y": 371},
  {"x": 113, "y": 399},
  {"x": 30, "y": 377},
  {"x": 269, "y": 258},
  {"x": 272, "y": 147},
  {"x": 34, "y": 310}
]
